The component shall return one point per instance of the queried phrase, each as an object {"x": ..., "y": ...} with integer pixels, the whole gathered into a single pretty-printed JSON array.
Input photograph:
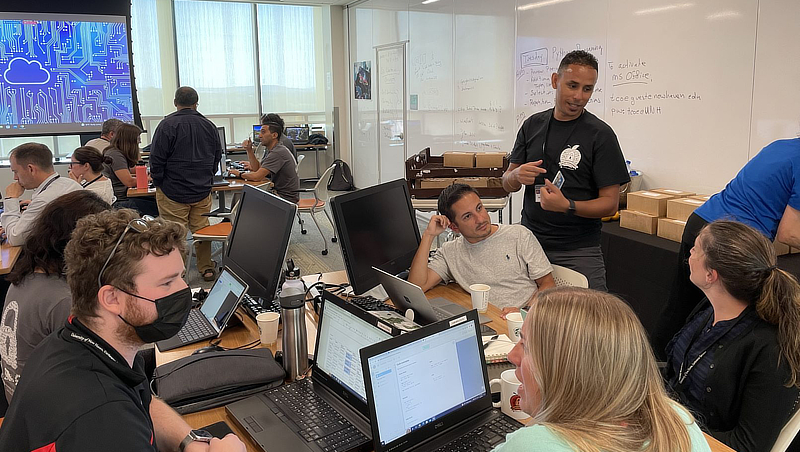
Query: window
[
  {"x": 146, "y": 57},
  {"x": 288, "y": 57},
  {"x": 216, "y": 54}
]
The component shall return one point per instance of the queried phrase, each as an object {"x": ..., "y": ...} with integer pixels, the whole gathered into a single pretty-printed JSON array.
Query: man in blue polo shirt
[{"x": 765, "y": 195}]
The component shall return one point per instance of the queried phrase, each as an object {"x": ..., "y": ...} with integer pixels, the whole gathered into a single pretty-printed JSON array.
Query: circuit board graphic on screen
[{"x": 61, "y": 74}]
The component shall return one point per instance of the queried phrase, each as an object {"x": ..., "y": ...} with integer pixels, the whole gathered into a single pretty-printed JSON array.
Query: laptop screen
[
  {"x": 341, "y": 336},
  {"x": 298, "y": 134},
  {"x": 222, "y": 299},
  {"x": 420, "y": 382}
]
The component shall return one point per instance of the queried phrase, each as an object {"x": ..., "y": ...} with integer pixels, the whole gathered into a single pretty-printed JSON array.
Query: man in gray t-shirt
[
  {"x": 507, "y": 258},
  {"x": 277, "y": 163}
]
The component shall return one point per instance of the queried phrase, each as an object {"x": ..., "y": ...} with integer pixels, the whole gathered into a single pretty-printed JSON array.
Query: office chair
[
  {"x": 214, "y": 233},
  {"x": 568, "y": 277},
  {"x": 316, "y": 204},
  {"x": 788, "y": 433}
]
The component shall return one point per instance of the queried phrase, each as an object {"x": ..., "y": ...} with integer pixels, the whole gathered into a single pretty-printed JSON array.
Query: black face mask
[{"x": 173, "y": 310}]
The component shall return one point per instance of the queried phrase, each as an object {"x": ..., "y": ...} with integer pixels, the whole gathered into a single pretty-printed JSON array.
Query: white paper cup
[
  {"x": 514, "y": 322},
  {"x": 509, "y": 394},
  {"x": 480, "y": 296},
  {"x": 268, "y": 329}
]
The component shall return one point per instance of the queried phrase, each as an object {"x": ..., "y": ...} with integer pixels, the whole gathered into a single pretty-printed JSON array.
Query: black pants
[{"x": 684, "y": 295}]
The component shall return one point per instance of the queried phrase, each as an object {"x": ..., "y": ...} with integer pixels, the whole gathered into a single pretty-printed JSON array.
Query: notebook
[{"x": 496, "y": 349}]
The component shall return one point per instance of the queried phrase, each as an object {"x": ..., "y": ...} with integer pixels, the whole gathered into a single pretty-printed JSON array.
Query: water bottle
[
  {"x": 293, "y": 316},
  {"x": 141, "y": 175}
]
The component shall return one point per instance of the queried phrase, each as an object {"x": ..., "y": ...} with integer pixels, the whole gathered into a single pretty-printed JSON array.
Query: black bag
[
  {"x": 318, "y": 139},
  {"x": 342, "y": 178},
  {"x": 209, "y": 380}
]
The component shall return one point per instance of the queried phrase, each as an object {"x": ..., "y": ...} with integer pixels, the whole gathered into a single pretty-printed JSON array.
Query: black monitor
[
  {"x": 298, "y": 134},
  {"x": 223, "y": 168},
  {"x": 259, "y": 240},
  {"x": 377, "y": 227}
]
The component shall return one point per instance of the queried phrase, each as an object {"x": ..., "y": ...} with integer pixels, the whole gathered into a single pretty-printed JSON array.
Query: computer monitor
[
  {"x": 298, "y": 134},
  {"x": 223, "y": 161},
  {"x": 377, "y": 227},
  {"x": 259, "y": 240}
]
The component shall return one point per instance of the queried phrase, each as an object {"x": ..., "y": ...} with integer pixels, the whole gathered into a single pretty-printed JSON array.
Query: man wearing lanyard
[
  {"x": 32, "y": 165},
  {"x": 572, "y": 166}
]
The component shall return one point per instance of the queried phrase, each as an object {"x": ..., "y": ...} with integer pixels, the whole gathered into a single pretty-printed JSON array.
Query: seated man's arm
[
  {"x": 255, "y": 176},
  {"x": 420, "y": 274},
  {"x": 546, "y": 282},
  {"x": 789, "y": 227},
  {"x": 605, "y": 205},
  {"x": 171, "y": 429},
  {"x": 18, "y": 224}
]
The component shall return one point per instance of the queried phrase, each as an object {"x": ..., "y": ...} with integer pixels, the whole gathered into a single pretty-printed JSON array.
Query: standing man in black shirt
[
  {"x": 184, "y": 156},
  {"x": 564, "y": 211},
  {"x": 84, "y": 386}
]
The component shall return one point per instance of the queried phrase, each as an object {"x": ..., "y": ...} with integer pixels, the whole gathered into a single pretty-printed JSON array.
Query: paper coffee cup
[
  {"x": 514, "y": 322},
  {"x": 480, "y": 296},
  {"x": 268, "y": 329}
]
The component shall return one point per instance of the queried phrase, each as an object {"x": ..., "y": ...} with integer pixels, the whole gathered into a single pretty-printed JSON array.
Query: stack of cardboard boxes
[
  {"x": 662, "y": 211},
  {"x": 459, "y": 159}
]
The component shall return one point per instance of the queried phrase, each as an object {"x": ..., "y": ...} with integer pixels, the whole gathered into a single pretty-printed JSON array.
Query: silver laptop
[
  {"x": 406, "y": 295},
  {"x": 211, "y": 319}
]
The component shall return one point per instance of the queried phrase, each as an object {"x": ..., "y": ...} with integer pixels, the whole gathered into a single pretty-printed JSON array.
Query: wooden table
[
  {"x": 8, "y": 257},
  {"x": 248, "y": 331}
]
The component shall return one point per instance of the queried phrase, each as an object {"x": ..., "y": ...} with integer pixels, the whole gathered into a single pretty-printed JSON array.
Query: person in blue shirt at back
[{"x": 765, "y": 195}]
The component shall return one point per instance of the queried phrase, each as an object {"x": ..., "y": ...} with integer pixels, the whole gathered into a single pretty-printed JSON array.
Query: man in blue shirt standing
[
  {"x": 184, "y": 156},
  {"x": 765, "y": 195}
]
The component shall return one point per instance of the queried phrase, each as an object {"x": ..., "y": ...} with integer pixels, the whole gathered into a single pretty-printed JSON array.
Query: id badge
[{"x": 538, "y": 190}]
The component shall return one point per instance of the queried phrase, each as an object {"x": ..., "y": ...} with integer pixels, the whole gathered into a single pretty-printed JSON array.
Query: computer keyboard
[
  {"x": 253, "y": 308},
  {"x": 313, "y": 418},
  {"x": 196, "y": 328},
  {"x": 368, "y": 303},
  {"x": 483, "y": 438}
]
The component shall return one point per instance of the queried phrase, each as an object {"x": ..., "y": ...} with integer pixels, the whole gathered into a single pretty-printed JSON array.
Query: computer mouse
[{"x": 208, "y": 348}]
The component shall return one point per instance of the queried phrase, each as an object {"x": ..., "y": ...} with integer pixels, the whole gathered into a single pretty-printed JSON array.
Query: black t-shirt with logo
[{"x": 587, "y": 153}]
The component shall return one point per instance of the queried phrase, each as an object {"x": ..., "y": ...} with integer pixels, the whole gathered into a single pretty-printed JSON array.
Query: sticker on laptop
[{"x": 458, "y": 320}]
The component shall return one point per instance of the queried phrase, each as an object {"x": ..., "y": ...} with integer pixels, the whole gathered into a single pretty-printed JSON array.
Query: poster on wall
[{"x": 362, "y": 79}]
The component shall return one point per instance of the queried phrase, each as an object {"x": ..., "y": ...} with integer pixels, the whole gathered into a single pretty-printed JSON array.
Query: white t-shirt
[
  {"x": 510, "y": 260},
  {"x": 103, "y": 188}
]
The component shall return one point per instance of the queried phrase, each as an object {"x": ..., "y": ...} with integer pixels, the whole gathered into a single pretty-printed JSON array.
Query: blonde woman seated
[
  {"x": 736, "y": 362},
  {"x": 590, "y": 381}
]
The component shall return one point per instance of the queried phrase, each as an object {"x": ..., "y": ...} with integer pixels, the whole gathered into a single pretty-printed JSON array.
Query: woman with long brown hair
[
  {"x": 736, "y": 362},
  {"x": 124, "y": 153},
  {"x": 590, "y": 381}
]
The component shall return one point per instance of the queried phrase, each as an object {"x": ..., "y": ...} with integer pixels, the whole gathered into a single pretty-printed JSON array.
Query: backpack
[{"x": 342, "y": 178}]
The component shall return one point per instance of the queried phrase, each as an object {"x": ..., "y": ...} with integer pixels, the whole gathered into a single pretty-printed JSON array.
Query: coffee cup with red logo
[{"x": 509, "y": 394}]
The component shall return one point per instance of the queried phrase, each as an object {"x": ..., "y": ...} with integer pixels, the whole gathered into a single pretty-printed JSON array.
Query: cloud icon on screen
[{"x": 23, "y": 72}]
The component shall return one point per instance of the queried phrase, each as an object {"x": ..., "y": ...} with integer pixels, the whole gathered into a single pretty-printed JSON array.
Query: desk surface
[
  {"x": 233, "y": 185},
  {"x": 8, "y": 257},
  {"x": 248, "y": 331}
]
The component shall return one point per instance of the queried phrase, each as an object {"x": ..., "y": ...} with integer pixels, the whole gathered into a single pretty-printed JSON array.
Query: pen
[{"x": 491, "y": 339}]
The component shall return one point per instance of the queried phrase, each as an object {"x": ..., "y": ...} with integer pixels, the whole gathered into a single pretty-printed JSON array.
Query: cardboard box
[
  {"x": 638, "y": 221},
  {"x": 681, "y": 209},
  {"x": 475, "y": 182},
  {"x": 489, "y": 159},
  {"x": 671, "y": 229},
  {"x": 649, "y": 202},
  {"x": 703, "y": 198},
  {"x": 675, "y": 193},
  {"x": 781, "y": 248},
  {"x": 436, "y": 182},
  {"x": 457, "y": 159}
]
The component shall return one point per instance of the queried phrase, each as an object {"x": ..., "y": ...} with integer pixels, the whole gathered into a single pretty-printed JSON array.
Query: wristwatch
[
  {"x": 571, "y": 209},
  {"x": 195, "y": 435}
]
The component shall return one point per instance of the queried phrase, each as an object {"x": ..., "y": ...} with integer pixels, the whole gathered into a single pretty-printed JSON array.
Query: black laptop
[
  {"x": 210, "y": 320},
  {"x": 428, "y": 390},
  {"x": 328, "y": 411}
]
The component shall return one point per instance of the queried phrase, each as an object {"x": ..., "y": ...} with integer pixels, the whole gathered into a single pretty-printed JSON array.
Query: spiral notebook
[{"x": 497, "y": 348}]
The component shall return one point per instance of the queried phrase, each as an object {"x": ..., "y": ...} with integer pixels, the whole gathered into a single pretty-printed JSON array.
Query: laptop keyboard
[
  {"x": 369, "y": 303},
  {"x": 313, "y": 418},
  {"x": 196, "y": 328},
  {"x": 483, "y": 438}
]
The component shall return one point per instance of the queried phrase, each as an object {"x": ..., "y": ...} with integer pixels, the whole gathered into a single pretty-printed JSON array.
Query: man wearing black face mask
[{"x": 84, "y": 388}]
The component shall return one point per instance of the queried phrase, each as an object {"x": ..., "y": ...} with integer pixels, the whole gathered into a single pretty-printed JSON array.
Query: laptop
[
  {"x": 428, "y": 390},
  {"x": 327, "y": 412},
  {"x": 211, "y": 319},
  {"x": 298, "y": 134},
  {"x": 406, "y": 295}
]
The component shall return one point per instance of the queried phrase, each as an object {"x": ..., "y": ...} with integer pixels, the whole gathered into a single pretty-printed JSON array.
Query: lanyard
[
  {"x": 682, "y": 374},
  {"x": 49, "y": 182},
  {"x": 547, "y": 132},
  {"x": 92, "y": 181}
]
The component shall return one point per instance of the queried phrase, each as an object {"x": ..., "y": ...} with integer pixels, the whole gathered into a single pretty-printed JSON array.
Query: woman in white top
[{"x": 86, "y": 168}]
